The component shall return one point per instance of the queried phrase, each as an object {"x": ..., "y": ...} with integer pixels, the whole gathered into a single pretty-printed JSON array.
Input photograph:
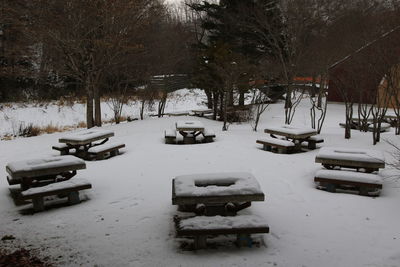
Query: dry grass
[
  {"x": 82, "y": 124},
  {"x": 122, "y": 119},
  {"x": 51, "y": 129}
]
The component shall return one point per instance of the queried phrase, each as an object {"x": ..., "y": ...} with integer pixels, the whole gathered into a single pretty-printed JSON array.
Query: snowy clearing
[{"x": 126, "y": 219}]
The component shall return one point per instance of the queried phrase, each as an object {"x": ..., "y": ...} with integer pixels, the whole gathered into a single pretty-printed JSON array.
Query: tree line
[{"x": 227, "y": 48}]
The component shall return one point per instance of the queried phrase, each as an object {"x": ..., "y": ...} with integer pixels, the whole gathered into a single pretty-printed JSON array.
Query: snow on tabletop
[
  {"x": 87, "y": 135},
  {"x": 341, "y": 153},
  {"x": 43, "y": 163},
  {"x": 349, "y": 176},
  {"x": 99, "y": 148},
  {"x": 220, "y": 222},
  {"x": 277, "y": 141},
  {"x": 189, "y": 124},
  {"x": 291, "y": 129},
  {"x": 56, "y": 186},
  {"x": 217, "y": 184}
]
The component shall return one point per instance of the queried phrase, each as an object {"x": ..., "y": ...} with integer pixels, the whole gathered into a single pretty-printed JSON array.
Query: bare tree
[{"x": 87, "y": 37}]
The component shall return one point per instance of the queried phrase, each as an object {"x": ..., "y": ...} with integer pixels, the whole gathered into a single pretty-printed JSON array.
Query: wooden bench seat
[
  {"x": 200, "y": 227},
  {"x": 365, "y": 183},
  {"x": 105, "y": 150},
  {"x": 209, "y": 135},
  {"x": 63, "y": 148},
  {"x": 170, "y": 136},
  {"x": 272, "y": 144},
  {"x": 331, "y": 157},
  {"x": 384, "y": 127},
  {"x": 313, "y": 141},
  {"x": 68, "y": 188}
]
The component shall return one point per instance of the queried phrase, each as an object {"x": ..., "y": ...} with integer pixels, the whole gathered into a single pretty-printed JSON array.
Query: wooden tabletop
[
  {"x": 85, "y": 137},
  {"x": 189, "y": 126},
  {"x": 44, "y": 166},
  {"x": 223, "y": 188},
  {"x": 291, "y": 131}
]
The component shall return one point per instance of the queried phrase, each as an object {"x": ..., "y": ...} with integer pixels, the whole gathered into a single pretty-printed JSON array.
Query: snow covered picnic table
[
  {"x": 295, "y": 134},
  {"x": 189, "y": 130},
  {"x": 43, "y": 170},
  {"x": 82, "y": 143},
  {"x": 370, "y": 160},
  {"x": 85, "y": 137},
  {"x": 189, "y": 126},
  {"x": 215, "y": 193}
]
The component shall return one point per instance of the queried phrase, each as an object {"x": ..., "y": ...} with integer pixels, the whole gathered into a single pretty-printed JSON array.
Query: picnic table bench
[
  {"x": 331, "y": 157},
  {"x": 83, "y": 144},
  {"x": 202, "y": 112},
  {"x": 216, "y": 198},
  {"x": 201, "y": 227},
  {"x": 366, "y": 184},
  {"x": 105, "y": 150},
  {"x": 296, "y": 135},
  {"x": 280, "y": 145},
  {"x": 69, "y": 189},
  {"x": 189, "y": 130},
  {"x": 357, "y": 125},
  {"x": 37, "y": 172}
]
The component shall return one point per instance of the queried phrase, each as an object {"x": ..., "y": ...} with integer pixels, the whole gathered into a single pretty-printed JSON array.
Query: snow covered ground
[
  {"x": 126, "y": 219},
  {"x": 14, "y": 115}
]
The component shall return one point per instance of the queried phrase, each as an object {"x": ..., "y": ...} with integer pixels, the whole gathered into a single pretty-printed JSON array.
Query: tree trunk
[
  {"x": 89, "y": 108},
  {"x": 288, "y": 104},
  {"x": 230, "y": 98},
  {"x": 209, "y": 99},
  {"x": 349, "y": 115},
  {"x": 226, "y": 100},
  {"x": 142, "y": 109},
  {"x": 215, "y": 105},
  {"x": 97, "y": 106},
  {"x": 221, "y": 105},
  {"x": 241, "y": 98}
]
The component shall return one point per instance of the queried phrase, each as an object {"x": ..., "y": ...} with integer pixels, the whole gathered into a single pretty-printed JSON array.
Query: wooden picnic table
[
  {"x": 189, "y": 130},
  {"x": 215, "y": 193},
  {"x": 82, "y": 141},
  {"x": 295, "y": 134},
  {"x": 34, "y": 172}
]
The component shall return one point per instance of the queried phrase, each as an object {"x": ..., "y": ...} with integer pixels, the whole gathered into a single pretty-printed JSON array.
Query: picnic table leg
[
  {"x": 331, "y": 188},
  {"x": 244, "y": 240},
  {"x": 73, "y": 198},
  {"x": 267, "y": 147},
  {"x": 200, "y": 242},
  {"x": 38, "y": 204}
]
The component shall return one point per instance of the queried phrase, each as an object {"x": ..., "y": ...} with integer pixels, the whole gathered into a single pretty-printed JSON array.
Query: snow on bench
[
  {"x": 282, "y": 146},
  {"x": 63, "y": 148},
  {"x": 100, "y": 151},
  {"x": 209, "y": 135},
  {"x": 371, "y": 160},
  {"x": 170, "y": 136},
  {"x": 313, "y": 140},
  {"x": 202, "y": 226},
  {"x": 44, "y": 166},
  {"x": 384, "y": 127},
  {"x": 69, "y": 188},
  {"x": 366, "y": 183}
]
